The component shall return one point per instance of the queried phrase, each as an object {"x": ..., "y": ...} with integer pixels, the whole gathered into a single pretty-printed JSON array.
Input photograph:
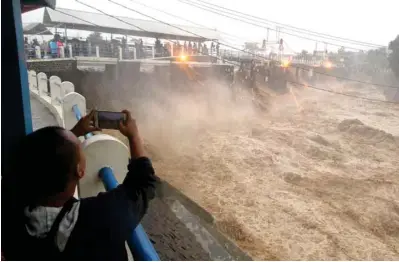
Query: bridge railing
[
  {"x": 107, "y": 157},
  {"x": 110, "y": 50}
]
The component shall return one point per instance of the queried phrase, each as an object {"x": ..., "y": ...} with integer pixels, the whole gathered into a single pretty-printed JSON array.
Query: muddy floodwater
[{"x": 314, "y": 178}]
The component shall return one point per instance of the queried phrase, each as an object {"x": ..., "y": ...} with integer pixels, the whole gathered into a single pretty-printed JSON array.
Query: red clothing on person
[{"x": 59, "y": 44}]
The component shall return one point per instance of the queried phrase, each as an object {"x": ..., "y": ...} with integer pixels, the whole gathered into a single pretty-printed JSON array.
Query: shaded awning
[
  {"x": 29, "y": 5},
  {"x": 35, "y": 29},
  {"x": 88, "y": 21}
]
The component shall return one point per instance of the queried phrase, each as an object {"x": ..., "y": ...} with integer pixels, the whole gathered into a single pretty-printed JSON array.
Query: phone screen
[{"x": 109, "y": 120}]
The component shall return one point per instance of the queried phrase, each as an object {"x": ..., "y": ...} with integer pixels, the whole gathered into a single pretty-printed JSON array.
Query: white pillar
[
  {"x": 134, "y": 53},
  {"x": 120, "y": 53},
  {"x": 70, "y": 50},
  {"x": 62, "y": 52},
  {"x": 97, "y": 51},
  {"x": 171, "y": 49},
  {"x": 38, "y": 52},
  {"x": 153, "y": 51}
]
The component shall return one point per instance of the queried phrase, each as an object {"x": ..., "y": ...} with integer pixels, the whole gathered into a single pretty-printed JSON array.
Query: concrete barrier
[
  {"x": 42, "y": 84},
  {"x": 55, "y": 90},
  {"x": 66, "y": 88},
  {"x": 69, "y": 101},
  {"x": 32, "y": 79},
  {"x": 51, "y": 98}
]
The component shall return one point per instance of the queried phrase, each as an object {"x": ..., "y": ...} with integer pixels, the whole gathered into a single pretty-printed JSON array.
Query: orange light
[
  {"x": 183, "y": 58},
  {"x": 327, "y": 64},
  {"x": 285, "y": 63}
]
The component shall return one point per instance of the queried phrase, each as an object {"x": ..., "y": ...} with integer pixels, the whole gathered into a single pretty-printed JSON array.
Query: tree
[
  {"x": 305, "y": 55},
  {"x": 341, "y": 50},
  {"x": 95, "y": 38},
  {"x": 251, "y": 46},
  {"x": 394, "y": 56},
  {"x": 377, "y": 59}
]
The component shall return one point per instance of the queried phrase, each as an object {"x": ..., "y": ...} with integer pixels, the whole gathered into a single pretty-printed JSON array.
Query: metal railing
[{"x": 110, "y": 50}]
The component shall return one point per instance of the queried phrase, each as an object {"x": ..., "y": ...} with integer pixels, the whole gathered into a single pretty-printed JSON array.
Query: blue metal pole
[
  {"x": 139, "y": 243},
  {"x": 78, "y": 117}
]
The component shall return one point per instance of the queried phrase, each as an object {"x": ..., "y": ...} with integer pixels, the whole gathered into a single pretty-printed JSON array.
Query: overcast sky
[{"x": 368, "y": 21}]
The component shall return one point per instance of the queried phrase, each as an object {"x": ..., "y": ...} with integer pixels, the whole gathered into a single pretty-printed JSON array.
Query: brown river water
[{"x": 315, "y": 177}]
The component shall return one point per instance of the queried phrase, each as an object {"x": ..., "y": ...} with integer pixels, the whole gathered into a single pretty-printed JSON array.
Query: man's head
[{"x": 50, "y": 163}]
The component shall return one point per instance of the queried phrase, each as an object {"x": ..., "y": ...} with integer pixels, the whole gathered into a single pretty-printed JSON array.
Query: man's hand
[
  {"x": 129, "y": 129},
  {"x": 85, "y": 125}
]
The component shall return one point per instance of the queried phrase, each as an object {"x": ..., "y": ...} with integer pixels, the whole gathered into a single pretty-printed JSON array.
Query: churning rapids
[{"x": 316, "y": 177}]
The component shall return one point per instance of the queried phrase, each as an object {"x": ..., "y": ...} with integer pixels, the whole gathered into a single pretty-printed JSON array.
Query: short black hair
[{"x": 44, "y": 163}]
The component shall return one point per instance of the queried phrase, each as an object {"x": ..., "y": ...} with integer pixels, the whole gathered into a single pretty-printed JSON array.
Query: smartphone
[{"x": 108, "y": 120}]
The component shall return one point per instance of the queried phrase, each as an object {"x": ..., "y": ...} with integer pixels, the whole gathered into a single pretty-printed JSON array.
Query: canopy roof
[
  {"x": 29, "y": 5},
  {"x": 81, "y": 20},
  {"x": 35, "y": 29}
]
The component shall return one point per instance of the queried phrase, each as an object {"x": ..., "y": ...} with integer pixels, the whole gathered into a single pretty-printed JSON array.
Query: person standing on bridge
[
  {"x": 194, "y": 48},
  {"x": 47, "y": 222}
]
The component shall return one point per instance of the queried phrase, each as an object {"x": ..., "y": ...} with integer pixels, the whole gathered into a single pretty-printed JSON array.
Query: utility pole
[
  {"x": 66, "y": 36},
  {"x": 267, "y": 40},
  {"x": 277, "y": 34}
]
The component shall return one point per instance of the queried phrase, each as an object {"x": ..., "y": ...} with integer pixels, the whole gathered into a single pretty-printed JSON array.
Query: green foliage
[
  {"x": 377, "y": 59},
  {"x": 252, "y": 46},
  {"x": 394, "y": 56},
  {"x": 95, "y": 38}
]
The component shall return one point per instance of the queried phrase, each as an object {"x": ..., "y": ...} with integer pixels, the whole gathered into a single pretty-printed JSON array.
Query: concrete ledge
[
  {"x": 167, "y": 192},
  {"x": 93, "y": 59},
  {"x": 47, "y": 103},
  {"x": 201, "y": 224}
]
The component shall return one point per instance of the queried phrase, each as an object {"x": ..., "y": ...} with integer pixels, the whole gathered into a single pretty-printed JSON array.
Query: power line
[
  {"x": 295, "y": 83},
  {"x": 344, "y": 94},
  {"x": 112, "y": 16},
  {"x": 232, "y": 47},
  {"x": 295, "y": 29},
  {"x": 182, "y": 18},
  {"x": 262, "y": 26}
]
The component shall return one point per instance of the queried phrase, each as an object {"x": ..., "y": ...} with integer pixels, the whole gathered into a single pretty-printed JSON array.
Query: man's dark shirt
[{"x": 105, "y": 221}]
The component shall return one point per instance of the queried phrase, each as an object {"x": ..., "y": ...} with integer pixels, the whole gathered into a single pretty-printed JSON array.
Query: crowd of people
[
  {"x": 51, "y": 49},
  {"x": 192, "y": 48},
  {"x": 47, "y": 49}
]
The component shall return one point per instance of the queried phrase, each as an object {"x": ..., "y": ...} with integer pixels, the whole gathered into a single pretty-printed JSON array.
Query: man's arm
[
  {"x": 140, "y": 184},
  {"x": 138, "y": 188}
]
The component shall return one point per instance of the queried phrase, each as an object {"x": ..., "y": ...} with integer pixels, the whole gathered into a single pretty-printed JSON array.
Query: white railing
[{"x": 51, "y": 92}]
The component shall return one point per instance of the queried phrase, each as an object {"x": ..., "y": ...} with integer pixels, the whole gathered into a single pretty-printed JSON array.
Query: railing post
[
  {"x": 120, "y": 53},
  {"x": 134, "y": 53},
  {"x": 70, "y": 50},
  {"x": 171, "y": 50},
  {"x": 89, "y": 49},
  {"x": 97, "y": 51},
  {"x": 139, "y": 244},
  {"x": 38, "y": 52},
  {"x": 62, "y": 52},
  {"x": 153, "y": 52}
]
